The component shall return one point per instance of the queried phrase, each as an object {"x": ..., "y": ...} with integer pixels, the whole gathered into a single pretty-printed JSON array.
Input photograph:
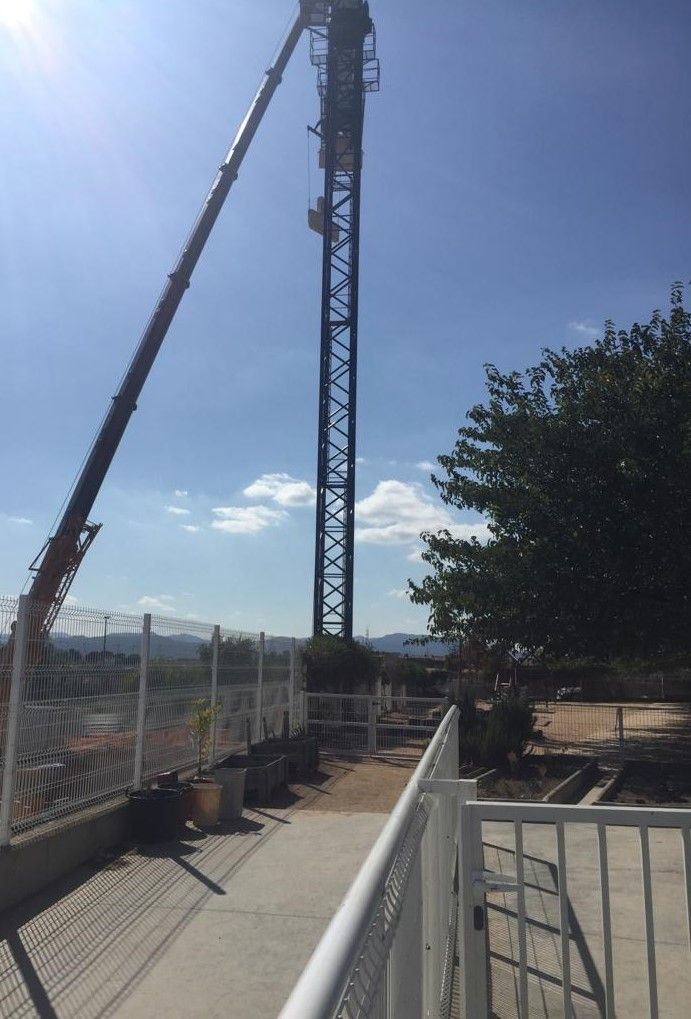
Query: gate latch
[{"x": 490, "y": 881}]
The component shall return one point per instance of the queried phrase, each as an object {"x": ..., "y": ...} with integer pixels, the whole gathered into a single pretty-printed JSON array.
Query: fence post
[
  {"x": 260, "y": 689},
  {"x": 291, "y": 686},
  {"x": 215, "y": 646},
  {"x": 141, "y": 701},
  {"x": 620, "y": 728},
  {"x": 14, "y": 711},
  {"x": 371, "y": 725},
  {"x": 472, "y": 917}
]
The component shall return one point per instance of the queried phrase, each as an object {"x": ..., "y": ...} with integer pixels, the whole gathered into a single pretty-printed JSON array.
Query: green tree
[
  {"x": 339, "y": 666},
  {"x": 582, "y": 467}
]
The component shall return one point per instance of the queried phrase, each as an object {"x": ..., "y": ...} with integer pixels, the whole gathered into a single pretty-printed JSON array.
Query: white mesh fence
[
  {"x": 70, "y": 741},
  {"x": 364, "y": 724}
]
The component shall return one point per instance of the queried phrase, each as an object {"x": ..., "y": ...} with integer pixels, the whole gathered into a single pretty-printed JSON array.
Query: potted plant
[{"x": 205, "y": 799}]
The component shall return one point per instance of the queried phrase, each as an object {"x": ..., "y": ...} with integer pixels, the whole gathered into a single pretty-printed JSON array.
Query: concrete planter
[
  {"x": 302, "y": 752},
  {"x": 264, "y": 772},
  {"x": 232, "y": 782},
  {"x": 205, "y": 802}
]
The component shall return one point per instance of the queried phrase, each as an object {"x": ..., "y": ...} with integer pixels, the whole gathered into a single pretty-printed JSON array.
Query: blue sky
[{"x": 526, "y": 176}]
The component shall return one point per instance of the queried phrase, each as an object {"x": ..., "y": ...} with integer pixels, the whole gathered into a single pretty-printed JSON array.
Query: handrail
[{"x": 319, "y": 990}]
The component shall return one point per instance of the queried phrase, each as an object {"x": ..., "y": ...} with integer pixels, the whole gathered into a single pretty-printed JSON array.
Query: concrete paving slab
[{"x": 220, "y": 925}]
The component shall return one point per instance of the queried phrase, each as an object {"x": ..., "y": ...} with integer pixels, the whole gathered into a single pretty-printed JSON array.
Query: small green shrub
[
  {"x": 203, "y": 716},
  {"x": 488, "y": 737}
]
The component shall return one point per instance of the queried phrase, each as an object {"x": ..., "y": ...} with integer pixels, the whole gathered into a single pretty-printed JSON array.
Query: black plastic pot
[{"x": 155, "y": 814}]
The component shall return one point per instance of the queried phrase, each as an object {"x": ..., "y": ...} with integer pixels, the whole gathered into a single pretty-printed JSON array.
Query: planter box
[
  {"x": 302, "y": 753},
  {"x": 561, "y": 779},
  {"x": 265, "y": 772}
]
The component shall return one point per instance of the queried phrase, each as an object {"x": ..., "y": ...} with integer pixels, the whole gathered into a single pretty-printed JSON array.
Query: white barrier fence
[
  {"x": 389, "y": 949},
  {"x": 553, "y": 909},
  {"x": 84, "y": 716},
  {"x": 363, "y": 724}
]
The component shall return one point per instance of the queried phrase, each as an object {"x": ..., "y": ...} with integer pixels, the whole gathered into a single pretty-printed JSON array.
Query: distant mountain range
[
  {"x": 185, "y": 645},
  {"x": 398, "y": 643}
]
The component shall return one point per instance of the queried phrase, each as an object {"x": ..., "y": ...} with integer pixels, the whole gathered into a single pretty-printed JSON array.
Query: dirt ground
[
  {"x": 658, "y": 785},
  {"x": 649, "y": 730},
  {"x": 351, "y": 785},
  {"x": 533, "y": 781}
]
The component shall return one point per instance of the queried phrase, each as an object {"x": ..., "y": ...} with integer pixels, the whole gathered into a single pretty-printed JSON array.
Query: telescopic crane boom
[{"x": 56, "y": 565}]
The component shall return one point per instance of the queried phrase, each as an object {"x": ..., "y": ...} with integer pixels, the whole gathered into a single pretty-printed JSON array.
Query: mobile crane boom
[{"x": 56, "y": 565}]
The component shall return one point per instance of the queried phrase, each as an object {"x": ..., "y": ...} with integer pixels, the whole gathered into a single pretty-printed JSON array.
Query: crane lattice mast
[{"x": 344, "y": 52}]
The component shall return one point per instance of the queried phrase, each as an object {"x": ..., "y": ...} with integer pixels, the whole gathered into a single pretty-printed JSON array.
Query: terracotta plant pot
[{"x": 204, "y": 802}]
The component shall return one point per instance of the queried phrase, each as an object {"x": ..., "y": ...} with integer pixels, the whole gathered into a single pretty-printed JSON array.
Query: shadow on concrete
[
  {"x": 81, "y": 946},
  {"x": 543, "y": 934}
]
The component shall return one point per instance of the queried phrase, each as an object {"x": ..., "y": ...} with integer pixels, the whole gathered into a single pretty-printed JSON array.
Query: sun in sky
[{"x": 17, "y": 14}]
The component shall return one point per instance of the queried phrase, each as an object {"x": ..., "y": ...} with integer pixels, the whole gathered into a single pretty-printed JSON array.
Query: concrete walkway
[
  {"x": 586, "y": 949},
  {"x": 220, "y": 926}
]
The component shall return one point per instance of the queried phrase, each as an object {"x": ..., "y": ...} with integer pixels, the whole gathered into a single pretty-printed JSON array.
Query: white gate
[
  {"x": 568, "y": 910},
  {"x": 362, "y": 724}
]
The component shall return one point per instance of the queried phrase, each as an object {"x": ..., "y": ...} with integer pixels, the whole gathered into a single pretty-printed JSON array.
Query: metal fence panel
[
  {"x": 362, "y": 724},
  {"x": 643, "y": 731},
  {"x": 76, "y": 720}
]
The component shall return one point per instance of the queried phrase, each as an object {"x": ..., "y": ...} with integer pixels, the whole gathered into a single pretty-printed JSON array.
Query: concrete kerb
[{"x": 29, "y": 866}]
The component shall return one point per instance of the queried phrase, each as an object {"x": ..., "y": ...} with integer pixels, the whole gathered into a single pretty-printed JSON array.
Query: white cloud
[
  {"x": 159, "y": 603},
  {"x": 246, "y": 519},
  {"x": 585, "y": 329},
  {"x": 397, "y": 511},
  {"x": 426, "y": 465},
  {"x": 398, "y": 592},
  {"x": 415, "y": 555},
  {"x": 20, "y": 520},
  {"x": 177, "y": 511},
  {"x": 181, "y": 493},
  {"x": 282, "y": 489},
  {"x": 360, "y": 460},
  {"x": 192, "y": 528}
]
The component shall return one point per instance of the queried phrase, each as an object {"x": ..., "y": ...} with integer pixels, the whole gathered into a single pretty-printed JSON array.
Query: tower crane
[{"x": 338, "y": 31}]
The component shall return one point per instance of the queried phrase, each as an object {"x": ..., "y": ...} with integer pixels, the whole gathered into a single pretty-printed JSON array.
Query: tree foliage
[
  {"x": 582, "y": 467},
  {"x": 339, "y": 666}
]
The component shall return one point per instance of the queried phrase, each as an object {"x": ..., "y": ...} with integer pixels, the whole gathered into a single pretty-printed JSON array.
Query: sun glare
[{"x": 16, "y": 14}]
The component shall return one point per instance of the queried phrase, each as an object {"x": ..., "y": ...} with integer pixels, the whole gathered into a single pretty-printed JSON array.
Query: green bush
[{"x": 488, "y": 737}]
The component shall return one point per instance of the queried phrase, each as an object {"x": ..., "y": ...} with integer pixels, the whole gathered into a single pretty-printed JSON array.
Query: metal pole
[
  {"x": 260, "y": 689},
  {"x": 371, "y": 726},
  {"x": 620, "y": 728},
  {"x": 105, "y": 635},
  {"x": 215, "y": 646},
  {"x": 291, "y": 685},
  {"x": 141, "y": 702},
  {"x": 14, "y": 708},
  {"x": 471, "y": 908}
]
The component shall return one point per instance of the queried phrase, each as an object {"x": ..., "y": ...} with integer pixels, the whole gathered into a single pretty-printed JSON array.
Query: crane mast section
[
  {"x": 344, "y": 53},
  {"x": 57, "y": 563}
]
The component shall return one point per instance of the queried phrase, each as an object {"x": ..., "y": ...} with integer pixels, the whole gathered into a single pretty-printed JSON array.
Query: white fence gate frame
[
  {"x": 476, "y": 881},
  {"x": 366, "y": 724}
]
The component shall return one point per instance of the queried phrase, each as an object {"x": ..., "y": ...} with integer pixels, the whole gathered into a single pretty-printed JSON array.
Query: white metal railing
[
  {"x": 549, "y": 827},
  {"x": 365, "y": 724},
  {"x": 388, "y": 950},
  {"x": 104, "y": 704}
]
